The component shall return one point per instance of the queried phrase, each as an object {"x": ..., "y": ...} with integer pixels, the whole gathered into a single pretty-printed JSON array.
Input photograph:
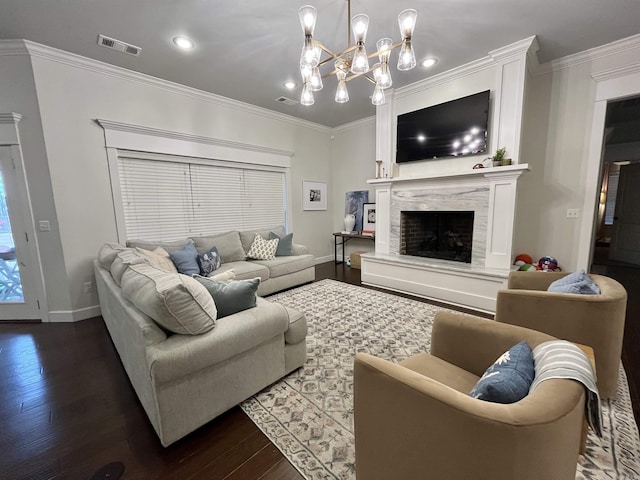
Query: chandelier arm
[
  {"x": 390, "y": 49},
  {"x": 356, "y": 75}
]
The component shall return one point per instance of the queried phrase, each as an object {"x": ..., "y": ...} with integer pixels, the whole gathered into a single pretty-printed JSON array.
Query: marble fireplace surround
[{"x": 490, "y": 193}]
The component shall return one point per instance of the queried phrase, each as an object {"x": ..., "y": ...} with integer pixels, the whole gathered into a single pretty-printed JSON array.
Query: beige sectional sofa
[
  {"x": 275, "y": 275},
  {"x": 186, "y": 379}
]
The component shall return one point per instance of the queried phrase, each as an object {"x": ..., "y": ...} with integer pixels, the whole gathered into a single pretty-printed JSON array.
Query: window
[{"x": 166, "y": 199}]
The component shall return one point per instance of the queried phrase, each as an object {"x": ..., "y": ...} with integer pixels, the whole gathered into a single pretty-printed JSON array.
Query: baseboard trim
[
  {"x": 74, "y": 315},
  {"x": 325, "y": 259}
]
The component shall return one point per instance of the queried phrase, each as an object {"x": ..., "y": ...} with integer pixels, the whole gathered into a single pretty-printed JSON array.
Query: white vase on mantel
[{"x": 349, "y": 222}]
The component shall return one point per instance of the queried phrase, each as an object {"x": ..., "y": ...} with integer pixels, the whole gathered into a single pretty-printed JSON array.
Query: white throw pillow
[
  {"x": 221, "y": 277},
  {"x": 262, "y": 249},
  {"x": 175, "y": 301}
]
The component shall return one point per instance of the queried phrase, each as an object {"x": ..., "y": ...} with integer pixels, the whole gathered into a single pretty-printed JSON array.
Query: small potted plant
[{"x": 498, "y": 159}]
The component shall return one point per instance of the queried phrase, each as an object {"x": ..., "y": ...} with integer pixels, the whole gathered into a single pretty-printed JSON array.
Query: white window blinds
[{"x": 166, "y": 200}]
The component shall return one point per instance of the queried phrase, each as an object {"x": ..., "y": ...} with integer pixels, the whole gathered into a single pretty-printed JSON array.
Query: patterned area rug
[{"x": 309, "y": 414}]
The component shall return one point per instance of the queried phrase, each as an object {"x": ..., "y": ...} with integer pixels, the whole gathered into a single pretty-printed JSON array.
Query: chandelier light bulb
[
  {"x": 407, "y": 57},
  {"x": 384, "y": 49},
  {"x": 360, "y": 63},
  {"x": 310, "y": 56},
  {"x": 307, "y": 15},
  {"x": 315, "y": 79},
  {"x": 307, "y": 95},
  {"x": 378, "y": 95},
  {"x": 342, "y": 95},
  {"x": 381, "y": 75},
  {"x": 360, "y": 25},
  {"x": 407, "y": 22}
]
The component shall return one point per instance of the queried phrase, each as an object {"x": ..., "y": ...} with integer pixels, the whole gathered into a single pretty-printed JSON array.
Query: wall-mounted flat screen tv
[{"x": 450, "y": 129}]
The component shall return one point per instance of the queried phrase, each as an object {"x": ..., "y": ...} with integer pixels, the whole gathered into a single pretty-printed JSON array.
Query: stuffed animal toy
[{"x": 548, "y": 264}]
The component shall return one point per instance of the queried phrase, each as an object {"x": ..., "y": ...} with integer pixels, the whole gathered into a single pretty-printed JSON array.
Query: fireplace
[{"x": 447, "y": 235}]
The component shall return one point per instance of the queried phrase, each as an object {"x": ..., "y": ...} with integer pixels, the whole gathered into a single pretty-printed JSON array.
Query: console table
[{"x": 345, "y": 238}]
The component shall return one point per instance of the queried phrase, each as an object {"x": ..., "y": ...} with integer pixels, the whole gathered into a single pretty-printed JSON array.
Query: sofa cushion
[
  {"x": 262, "y": 249},
  {"x": 178, "y": 303},
  {"x": 576, "y": 282},
  {"x": 286, "y": 265},
  {"x": 247, "y": 236},
  {"x": 228, "y": 245},
  {"x": 209, "y": 261},
  {"x": 285, "y": 244},
  {"x": 231, "y": 296},
  {"x": 108, "y": 252},
  {"x": 245, "y": 270},
  {"x": 159, "y": 258},
  {"x": 122, "y": 261},
  {"x": 186, "y": 259},
  {"x": 297, "y": 330},
  {"x": 508, "y": 380},
  {"x": 153, "y": 244}
]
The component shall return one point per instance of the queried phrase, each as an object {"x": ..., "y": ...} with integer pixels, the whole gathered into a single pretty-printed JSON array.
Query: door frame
[
  {"x": 10, "y": 138},
  {"x": 611, "y": 85}
]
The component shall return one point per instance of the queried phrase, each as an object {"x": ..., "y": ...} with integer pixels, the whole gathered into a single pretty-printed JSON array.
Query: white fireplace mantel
[{"x": 489, "y": 192}]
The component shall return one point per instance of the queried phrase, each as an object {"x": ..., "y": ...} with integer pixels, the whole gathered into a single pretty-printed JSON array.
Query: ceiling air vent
[
  {"x": 286, "y": 101},
  {"x": 118, "y": 45}
]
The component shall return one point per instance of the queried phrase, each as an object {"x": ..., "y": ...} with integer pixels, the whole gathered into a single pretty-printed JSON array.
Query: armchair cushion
[
  {"x": 508, "y": 380},
  {"x": 576, "y": 282}
]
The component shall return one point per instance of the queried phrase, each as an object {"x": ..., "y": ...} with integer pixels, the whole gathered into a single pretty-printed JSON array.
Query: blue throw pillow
[
  {"x": 185, "y": 259},
  {"x": 231, "y": 296},
  {"x": 576, "y": 282},
  {"x": 284, "y": 245},
  {"x": 508, "y": 380},
  {"x": 209, "y": 261}
]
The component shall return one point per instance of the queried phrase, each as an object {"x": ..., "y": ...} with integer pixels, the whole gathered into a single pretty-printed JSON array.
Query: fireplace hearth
[{"x": 445, "y": 235}]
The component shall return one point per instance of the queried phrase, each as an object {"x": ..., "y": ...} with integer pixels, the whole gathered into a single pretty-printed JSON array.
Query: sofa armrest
[
  {"x": 474, "y": 343},
  {"x": 533, "y": 280},
  {"x": 407, "y": 424},
  {"x": 180, "y": 355},
  {"x": 297, "y": 249}
]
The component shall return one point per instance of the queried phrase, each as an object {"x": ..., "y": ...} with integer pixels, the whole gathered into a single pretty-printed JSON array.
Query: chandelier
[{"x": 353, "y": 61}]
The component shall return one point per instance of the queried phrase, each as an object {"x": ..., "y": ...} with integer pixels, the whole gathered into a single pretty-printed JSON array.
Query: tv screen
[{"x": 450, "y": 129}]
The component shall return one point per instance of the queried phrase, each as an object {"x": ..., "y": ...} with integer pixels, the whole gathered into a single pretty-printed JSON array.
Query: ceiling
[{"x": 246, "y": 49}]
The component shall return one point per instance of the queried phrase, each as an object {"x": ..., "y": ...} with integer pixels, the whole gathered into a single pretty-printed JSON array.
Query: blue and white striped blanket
[{"x": 562, "y": 359}]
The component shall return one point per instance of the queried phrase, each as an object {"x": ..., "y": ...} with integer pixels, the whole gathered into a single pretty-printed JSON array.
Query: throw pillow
[
  {"x": 209, "y": 261},
  {"x": 285, "y": 244},
  {"x": 228, "y": 245},
  {"x": 178, "y": 303},
  {"x": 185, "y": 259},
  {"x": 576, "y": 282},
  {"x": 508, "y": 380},
  {"x": 159, "y": 258},
  {"x": 231, "y": 296},
  {"x": 262, "y": 249}
]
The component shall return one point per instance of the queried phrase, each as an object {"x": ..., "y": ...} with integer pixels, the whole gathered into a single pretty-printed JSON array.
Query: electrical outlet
[
  {"x": 88, "y": 287},
  {"x": 44, "y": 226},
  {"x": 573, "y": 212}
]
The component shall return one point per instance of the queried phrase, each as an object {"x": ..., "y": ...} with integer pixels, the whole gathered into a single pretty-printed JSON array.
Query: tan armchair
[
  {"x": 415, "y": 420},
  {"x": 593, "y": 320}
]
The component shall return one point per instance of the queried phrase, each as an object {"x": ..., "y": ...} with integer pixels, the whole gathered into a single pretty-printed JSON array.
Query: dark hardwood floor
[{"x": 67, "y": 408}]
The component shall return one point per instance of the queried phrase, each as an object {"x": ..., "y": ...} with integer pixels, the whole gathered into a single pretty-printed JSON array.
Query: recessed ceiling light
[
  {"x": 183, "y": 42},
  {"x": 290, "y": 84},
  {"x": 428, "y": 62}
]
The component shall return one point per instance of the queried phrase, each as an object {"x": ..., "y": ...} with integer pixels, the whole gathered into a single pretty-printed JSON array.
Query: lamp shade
[
  {"x": 307, "y": 95},
  {"x": 407, "y": 22},
  {"x": 378, "y": 95},
  {"x": 382, "y": 75},
  {"x": 307, "y": 15},
  {"x": 384, "y": 49},
  {"x": 407, "y": 57}
]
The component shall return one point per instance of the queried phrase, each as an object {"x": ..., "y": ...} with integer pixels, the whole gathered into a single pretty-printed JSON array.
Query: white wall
[
  {"x": 71, "y": 93},
  {"x": 353, "y": 163},
  {"x": 557, "y": 132}
]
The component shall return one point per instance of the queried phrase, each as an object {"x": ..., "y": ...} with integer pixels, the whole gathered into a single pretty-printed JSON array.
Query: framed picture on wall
[
  {"x": 314, "y": 195},
  {"x": 368, "y": 218}
]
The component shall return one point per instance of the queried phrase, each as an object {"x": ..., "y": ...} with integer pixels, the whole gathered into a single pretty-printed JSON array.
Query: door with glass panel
[{"x": 17, "y": 293}]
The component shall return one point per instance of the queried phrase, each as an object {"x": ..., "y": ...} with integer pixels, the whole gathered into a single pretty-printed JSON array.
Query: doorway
[{"x": 617, "y": 224}]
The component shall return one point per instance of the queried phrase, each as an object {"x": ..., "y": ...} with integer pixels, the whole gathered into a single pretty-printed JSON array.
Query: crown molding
[
  {"x": 613, "y": 48},
  {"x": 37, "y": 50},
  {"x": 616, "y": 72},
  {"x": 526, "y": 46},
  {"x": 355, "y": 124}
]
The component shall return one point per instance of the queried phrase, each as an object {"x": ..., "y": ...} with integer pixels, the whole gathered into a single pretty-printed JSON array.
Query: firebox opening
[{"x": 436, "y": 234}]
